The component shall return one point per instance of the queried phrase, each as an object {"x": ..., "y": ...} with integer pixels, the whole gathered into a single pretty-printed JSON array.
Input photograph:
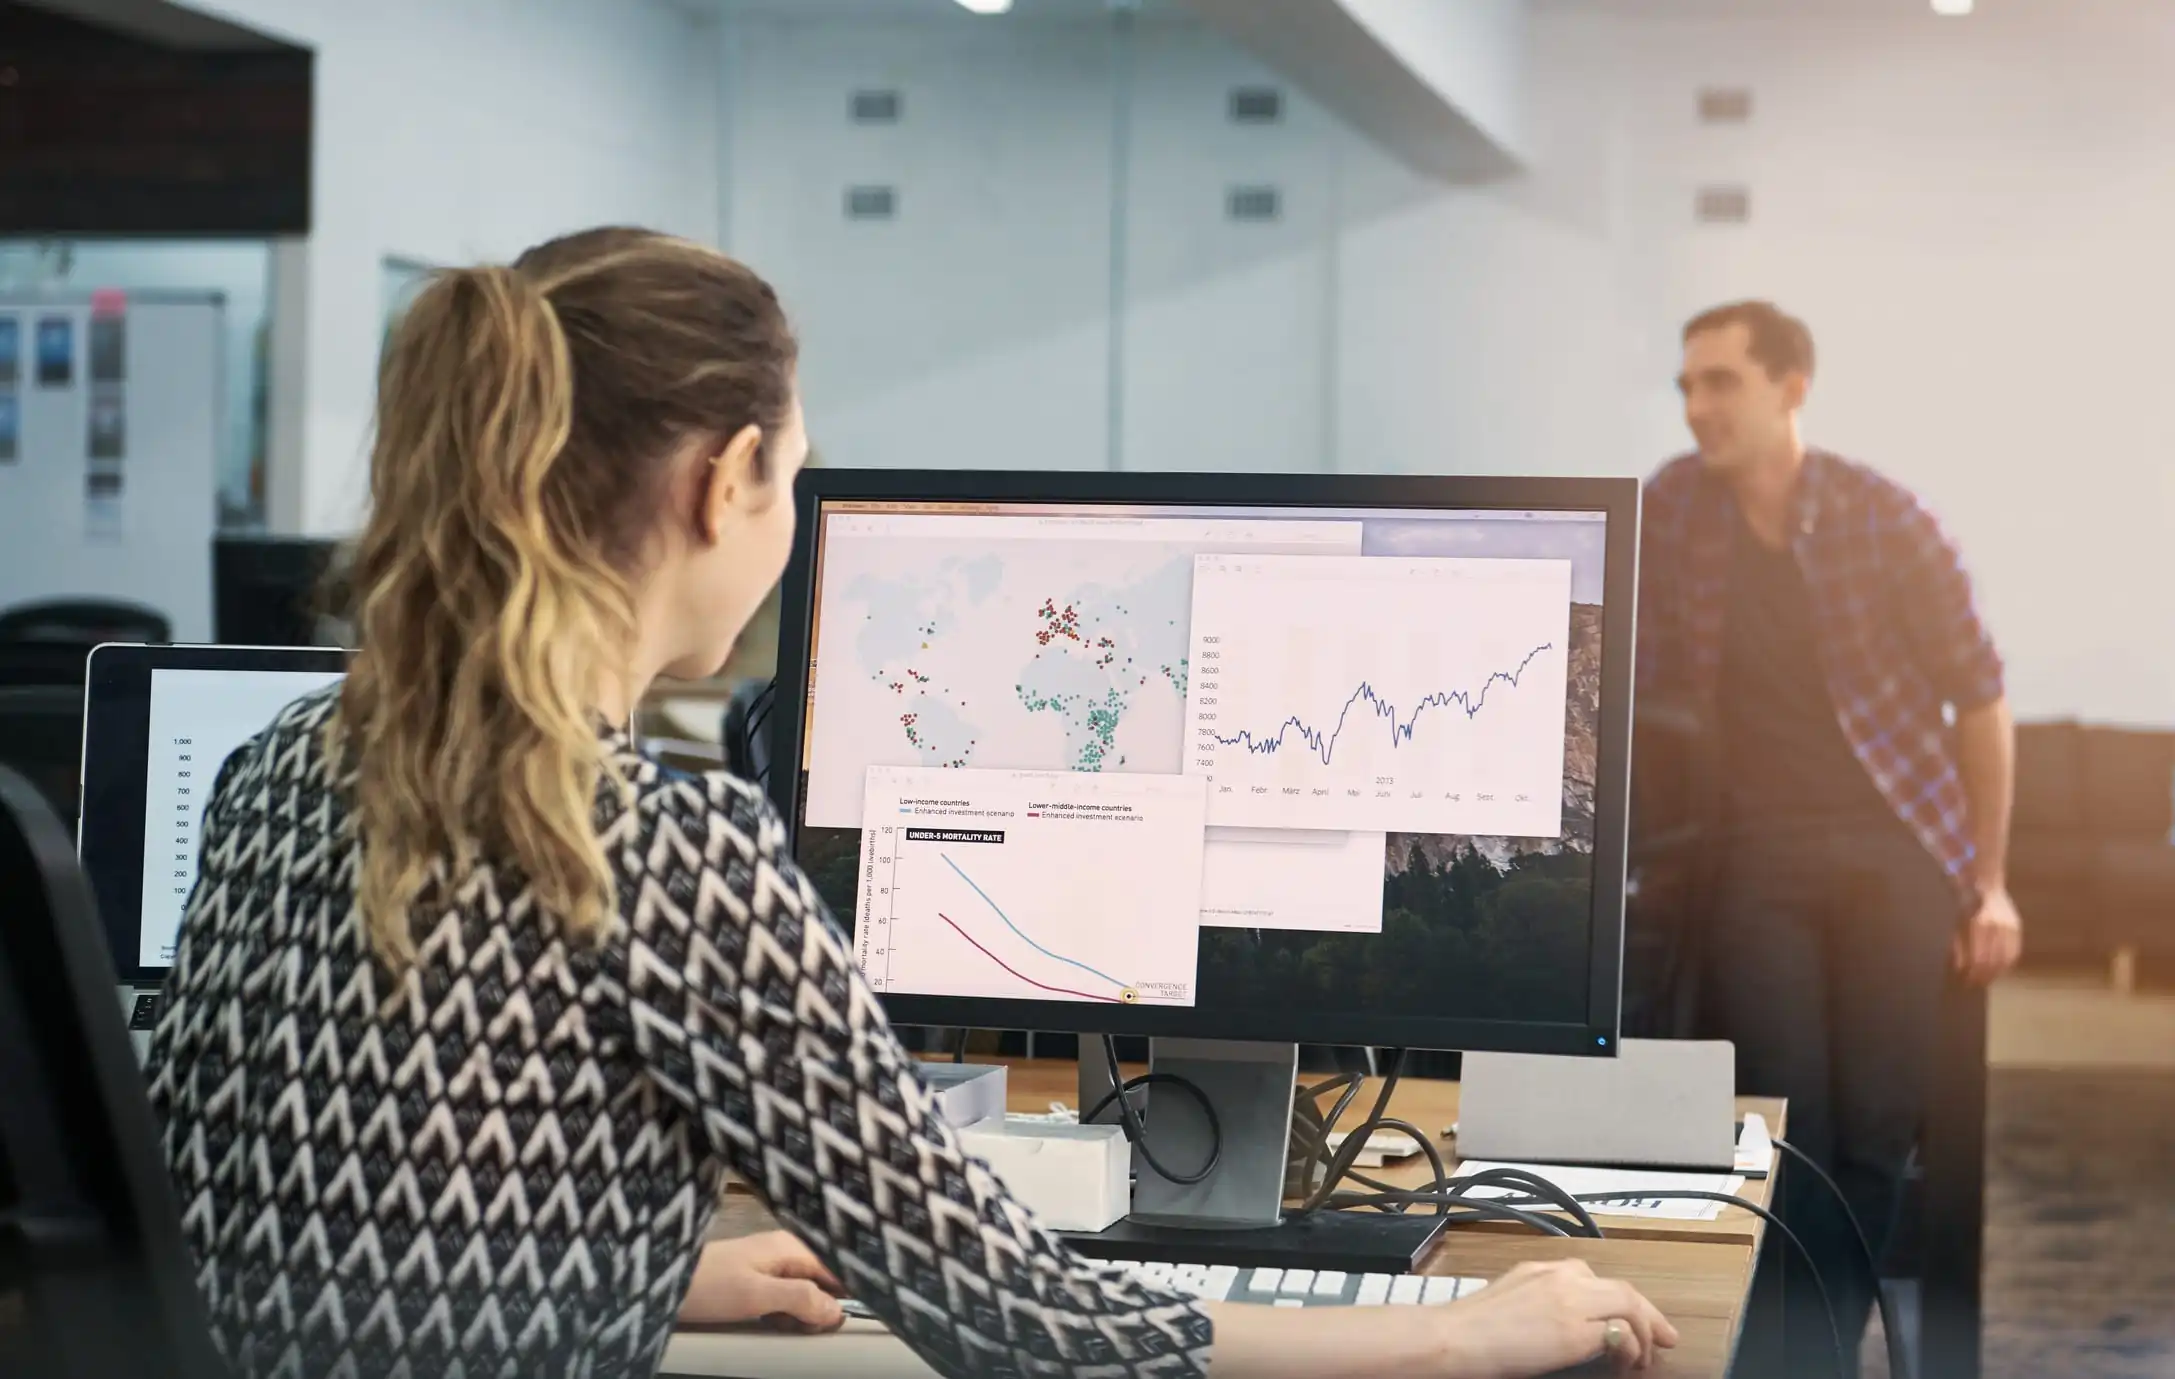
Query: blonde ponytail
[{"x": 523, "y": 415}]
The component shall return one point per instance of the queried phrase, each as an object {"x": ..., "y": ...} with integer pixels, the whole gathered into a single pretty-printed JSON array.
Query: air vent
[
  {"x": 1724, "y": 205},
  {"x": 877, "y": 107},
  {"x": 1254, "y": 203},
  {"x": 872, "y": 203},
  {"x": 1725, "y": 105},
  {"x": 1257, "y": 105}
]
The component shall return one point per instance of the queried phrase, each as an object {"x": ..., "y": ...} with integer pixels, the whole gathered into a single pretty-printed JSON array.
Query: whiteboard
[{"x": 129, "y": 513}]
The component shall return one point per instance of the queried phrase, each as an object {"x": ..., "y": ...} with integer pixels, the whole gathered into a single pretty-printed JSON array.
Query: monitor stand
[{"x": 1236, "y": 1215}]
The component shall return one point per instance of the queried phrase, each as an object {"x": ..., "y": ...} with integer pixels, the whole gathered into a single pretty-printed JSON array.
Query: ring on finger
[{"x": 1612, "y": 1337}]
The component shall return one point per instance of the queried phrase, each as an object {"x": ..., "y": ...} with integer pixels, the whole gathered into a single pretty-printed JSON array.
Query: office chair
[
  {"x": 746, "y": 733},
  {"x": 95, "y": 1277},
  {"x": 41, "y": 736},
  {"x": 48, "y": 642},
  {"x": 84, "y": 621}
]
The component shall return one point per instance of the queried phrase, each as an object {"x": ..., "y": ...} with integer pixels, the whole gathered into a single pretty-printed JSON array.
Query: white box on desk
[
  {"x": 966, "y": 1093},
  {"x": 1073, "y": 1177}
]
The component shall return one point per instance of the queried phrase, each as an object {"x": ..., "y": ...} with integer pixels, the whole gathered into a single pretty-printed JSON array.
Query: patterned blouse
[{"x": 503, "y": 1163}]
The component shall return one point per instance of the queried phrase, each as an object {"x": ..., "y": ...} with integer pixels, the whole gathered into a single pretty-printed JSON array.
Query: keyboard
[
  {"x": 1286, "y": 1287},
  {"x": 1304, "y": 1287}
]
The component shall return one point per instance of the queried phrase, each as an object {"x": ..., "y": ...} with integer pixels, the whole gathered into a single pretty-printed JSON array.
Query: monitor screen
[
  {"x": 198, "y": 719},
  {"x": 159, "y": 723},
  {"x": 1237, "y": 768}
]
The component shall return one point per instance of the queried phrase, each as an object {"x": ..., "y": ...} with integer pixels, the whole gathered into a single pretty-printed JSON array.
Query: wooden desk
[
  {"x": 1698, "y": 1285},
  {"x": 1698, "y": 1272}
]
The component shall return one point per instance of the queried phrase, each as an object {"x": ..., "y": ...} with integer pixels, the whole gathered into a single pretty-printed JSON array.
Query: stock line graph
[
  {"x": 1324, "y": 744},
  {"x": 1381, "y": 693}
]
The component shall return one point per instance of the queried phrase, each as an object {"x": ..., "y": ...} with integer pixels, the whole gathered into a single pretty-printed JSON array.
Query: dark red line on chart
[{"x": 1015, "y": 971}]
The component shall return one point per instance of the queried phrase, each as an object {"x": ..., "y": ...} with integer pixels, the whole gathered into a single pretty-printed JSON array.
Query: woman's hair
[{"x": 527, "y": 419}]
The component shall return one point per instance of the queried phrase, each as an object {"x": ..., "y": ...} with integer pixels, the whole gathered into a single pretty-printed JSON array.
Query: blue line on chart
[
  {"x": 1016, "y": 928},
  {"x": 1324, "y": 745}
]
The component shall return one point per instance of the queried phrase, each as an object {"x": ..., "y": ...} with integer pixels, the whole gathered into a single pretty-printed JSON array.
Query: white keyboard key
[
  {"x": 1267, "y": 1280},
  {"x": 1221, "y": 1280},
  {"x": 1374, "y": 1290},
  {"x": 1290, "y": 1302},
  {"x": 1405, "y": 1289},
  {"x": 1439, "y": 1290},
  {"x": 1297, "y": 1282},
  {"x": 1469, "y": 1286},
  {"x": 1329, "y": 1284}
]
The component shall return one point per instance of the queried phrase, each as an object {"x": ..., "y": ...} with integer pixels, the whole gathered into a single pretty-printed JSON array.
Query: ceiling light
[
  {"x": 1952, "y": 9},
  {"x": 1000, "y": 6}
]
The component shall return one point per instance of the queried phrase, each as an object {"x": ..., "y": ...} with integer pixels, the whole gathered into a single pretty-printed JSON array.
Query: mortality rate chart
[
  {"x": 1400, "y": 695},
  {"x": 1031, "y": 885}
]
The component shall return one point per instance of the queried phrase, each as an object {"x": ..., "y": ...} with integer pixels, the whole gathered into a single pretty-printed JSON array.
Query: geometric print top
[
  {"x": 1895, "y": 626},
  {"x": 503, "y": 1163}
]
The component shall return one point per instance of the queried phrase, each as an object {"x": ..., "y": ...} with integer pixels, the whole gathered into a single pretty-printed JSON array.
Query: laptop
[
  {"x": 1660, "y": 1103},
  {"x": 158, "y": 723}
]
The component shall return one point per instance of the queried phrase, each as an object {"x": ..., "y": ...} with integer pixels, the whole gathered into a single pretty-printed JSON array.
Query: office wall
[
  {"x": 453, "y": 130},
  {"x": 1973, "y": 215},
  {"x": 981, "y": 326}
]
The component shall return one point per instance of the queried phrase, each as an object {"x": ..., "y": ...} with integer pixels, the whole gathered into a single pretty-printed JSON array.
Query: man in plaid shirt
[{"x": 1817, "y": 621}]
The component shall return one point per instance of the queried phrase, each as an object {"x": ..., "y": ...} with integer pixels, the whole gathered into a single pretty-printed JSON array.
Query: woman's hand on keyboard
[
  {"x": 1539, "y": 1318},
  {"x": 770, "y": 1277}
]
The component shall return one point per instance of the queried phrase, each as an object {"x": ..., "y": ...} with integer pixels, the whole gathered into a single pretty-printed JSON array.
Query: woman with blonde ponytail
[{"x": 474, "y": 1004}]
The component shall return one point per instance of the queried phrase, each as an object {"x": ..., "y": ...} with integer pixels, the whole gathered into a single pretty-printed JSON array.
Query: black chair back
[
  {"x": 41, "y": 736},
  {"x": 93, "y": 1264},
  {"x": 747, "y": 731},
  {"x": 84, "y": 622}
]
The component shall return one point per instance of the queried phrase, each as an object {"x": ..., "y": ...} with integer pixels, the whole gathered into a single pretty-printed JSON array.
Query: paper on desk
[
  {"x": 1630, "y": 1182},
  {"x": 1755, "y": 1149}
]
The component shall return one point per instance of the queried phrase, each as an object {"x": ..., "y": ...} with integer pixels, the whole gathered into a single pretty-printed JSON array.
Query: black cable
[
  {"x": 1356, "y": 1142},
  {"x": 1535, "y": 1184},
  {"x": 959, "y": 1046},
  {"x": 1136, "y": 1133},
  {"x": 1899, "y": 1360},
  {"x": 1484, "y": 1208},
  {"x": 1312, "y": 1129},
  {"x": 1454, "y": 1193}
]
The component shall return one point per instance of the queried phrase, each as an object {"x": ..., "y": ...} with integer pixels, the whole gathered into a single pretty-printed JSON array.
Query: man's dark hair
[{"x": 1781, "y": 343}]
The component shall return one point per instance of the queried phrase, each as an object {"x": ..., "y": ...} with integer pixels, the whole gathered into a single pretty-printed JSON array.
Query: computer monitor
[
  {"x": 1332, "y": 760},
  {"x": 268, "y": 590},
  {"x": 158, "y": 723}
]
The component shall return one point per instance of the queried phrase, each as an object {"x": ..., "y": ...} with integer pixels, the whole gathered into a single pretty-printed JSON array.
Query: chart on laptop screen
[{"x": 198, "y": 718}]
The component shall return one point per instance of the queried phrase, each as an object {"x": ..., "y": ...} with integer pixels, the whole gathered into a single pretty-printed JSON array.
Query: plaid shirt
[{"x": 1891, "y": 608}]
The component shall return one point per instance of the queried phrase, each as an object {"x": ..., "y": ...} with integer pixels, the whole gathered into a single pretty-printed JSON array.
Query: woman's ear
[{"x": 732, "y": 483}]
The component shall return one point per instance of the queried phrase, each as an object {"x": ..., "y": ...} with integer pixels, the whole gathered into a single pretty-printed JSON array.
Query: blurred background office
[{"x": 1345, "y": 236}]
